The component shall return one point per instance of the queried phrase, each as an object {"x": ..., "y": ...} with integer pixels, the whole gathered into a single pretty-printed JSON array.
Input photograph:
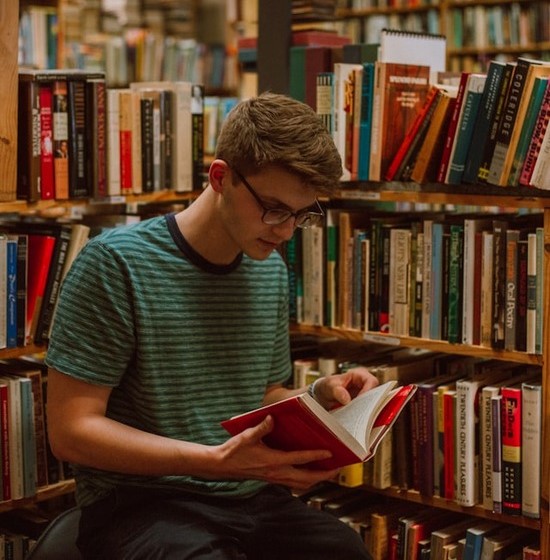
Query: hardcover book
[
  {"x": 400, "y": 91},
  {"x": 351, "y": 432}
]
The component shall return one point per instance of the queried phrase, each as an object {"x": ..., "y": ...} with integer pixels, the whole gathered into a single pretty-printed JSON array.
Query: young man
[{"x": 168, "y": 327}]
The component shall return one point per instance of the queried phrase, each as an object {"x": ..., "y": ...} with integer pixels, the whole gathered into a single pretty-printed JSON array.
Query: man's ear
[{"x": 218, "y": 171}]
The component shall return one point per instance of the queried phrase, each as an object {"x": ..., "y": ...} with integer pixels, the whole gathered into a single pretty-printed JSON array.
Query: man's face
[{"x": 271, "y": 190}]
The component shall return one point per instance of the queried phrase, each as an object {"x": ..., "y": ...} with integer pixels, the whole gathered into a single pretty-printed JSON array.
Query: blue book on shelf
[
  {"x": 366, "y": 120},
  {"x": 11, "y": 293}
]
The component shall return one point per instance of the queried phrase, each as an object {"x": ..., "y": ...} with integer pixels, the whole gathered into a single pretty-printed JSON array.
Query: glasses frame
[{"x": 302, "y": 214}]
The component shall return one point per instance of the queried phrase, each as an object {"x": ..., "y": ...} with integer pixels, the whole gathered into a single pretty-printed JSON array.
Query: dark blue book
[{"x": 482, "y": 125}]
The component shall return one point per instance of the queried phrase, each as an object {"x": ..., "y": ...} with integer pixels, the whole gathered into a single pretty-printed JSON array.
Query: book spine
[
  {"x": 531, "y": 318},
  {"x": 113, "y": 142},
  {"x": 451, "y": 130},
  {"x": 486, "y": 446},
  {"x": 489, "y": 147},
  {"x": 197, "y": 117},
  {"x": 11, "y": 292},
  {"x": 483, "y": 122},
  {"x": 77, "y": 138},
  {"x": 54, "y": 283},
  {"x": 454, "y": 331},
  {"x": 465, "y": 128},
  {"x": 147, "y": 140},
  {"x": 511, "y": 299},
  {"x": 61, "y": 139},
  {"x": 499, "y": 283},
  {"x": 535, "y": 102},
  {"x": 47, "y": 177},
  {"x": 28, "y": 144},
  {"x": 467, "y": 442},
  {"x": 22, "y": 254},
  {"x": 125, "y": 142},
  {"x": 507, "y": 123},
  {"x": 496, "y": 431},
  {"x": 511, "y": 450},
  {"x": 5, "y": 442},
  {"x": 522, "y": 294},
  {"x": 539, "y": 131},
  {"x": 531, "y": 442}
]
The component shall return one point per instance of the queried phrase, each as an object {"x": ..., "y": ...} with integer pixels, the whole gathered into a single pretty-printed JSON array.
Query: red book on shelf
[
  {"x": 414, "y": 129},
  {"x": 47, "y": 182},
  {"x": 511, "y": 449},
  {"x": 40, "y": 251},
  {"x": 351, "y": 432}
]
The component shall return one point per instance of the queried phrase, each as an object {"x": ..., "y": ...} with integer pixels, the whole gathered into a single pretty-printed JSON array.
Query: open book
[{"x": 351, "y": 432}]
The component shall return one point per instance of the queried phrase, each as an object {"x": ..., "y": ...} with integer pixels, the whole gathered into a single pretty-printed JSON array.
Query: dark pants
[{"x": 147, "y": 524}]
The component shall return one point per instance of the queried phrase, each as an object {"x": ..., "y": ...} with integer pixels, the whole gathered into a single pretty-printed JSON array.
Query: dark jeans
[{"x": 134, "y": 523}]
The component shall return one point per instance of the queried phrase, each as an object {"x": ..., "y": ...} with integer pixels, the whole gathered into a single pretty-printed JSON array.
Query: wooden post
[{"x": 9, "y": 29}]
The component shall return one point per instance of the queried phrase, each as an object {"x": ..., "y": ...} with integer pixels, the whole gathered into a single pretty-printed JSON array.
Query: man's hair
[{"x": 276, "y": 130}]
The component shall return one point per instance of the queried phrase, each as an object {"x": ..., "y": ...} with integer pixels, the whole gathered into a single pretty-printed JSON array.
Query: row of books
[
  {"x": 142, "y": 52},
  {"x": 27, "y": 462},
  {"x": 404, "y": 531},
  {"x": 390, "y": 121},
  {"x": 79, "y": 139},
  {"x": 470, "y": 434},
  {"x": 467, "y": 278},
  {"x": 483, "y": 26},
  {"x": 34, "y": 258}
]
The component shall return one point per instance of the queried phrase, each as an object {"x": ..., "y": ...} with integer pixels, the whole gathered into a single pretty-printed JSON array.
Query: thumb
[
  {"x": 263, "y": 428},
  {"x": 342, "y": 395}
]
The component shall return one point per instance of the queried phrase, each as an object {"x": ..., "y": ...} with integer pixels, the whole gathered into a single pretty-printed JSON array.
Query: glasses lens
[
  {"x": 309, "y": 219},
  {"x": 275, "y": 216}
]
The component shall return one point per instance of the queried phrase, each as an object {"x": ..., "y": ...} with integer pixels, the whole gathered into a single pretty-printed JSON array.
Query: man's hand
[
  {"x": 246, "y": 456},
  {"x": 340, "y": 389}
]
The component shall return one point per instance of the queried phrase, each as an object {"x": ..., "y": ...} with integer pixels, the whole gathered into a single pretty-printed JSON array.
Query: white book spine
[
  {"x": 113, "y": 142},
  {"x": 486, "y": 289},
  {"x": 531, "y": 425},
  {"x": 466, "y": 434},
  {"x": 531, "y": 292}
]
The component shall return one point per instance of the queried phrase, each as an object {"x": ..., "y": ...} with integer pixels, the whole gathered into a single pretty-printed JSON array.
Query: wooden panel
[{"x": 9, "y": 14}]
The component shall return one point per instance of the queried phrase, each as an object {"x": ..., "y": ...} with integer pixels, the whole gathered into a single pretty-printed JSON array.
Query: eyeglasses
[{"x": 277, "y": 216}]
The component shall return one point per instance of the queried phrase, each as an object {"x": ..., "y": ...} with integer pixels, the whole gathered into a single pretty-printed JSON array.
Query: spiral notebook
[{"x": 409, "y": 47}]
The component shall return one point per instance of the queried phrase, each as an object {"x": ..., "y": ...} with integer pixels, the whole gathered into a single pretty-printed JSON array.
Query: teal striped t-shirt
[{"x": 184, "y": 343}]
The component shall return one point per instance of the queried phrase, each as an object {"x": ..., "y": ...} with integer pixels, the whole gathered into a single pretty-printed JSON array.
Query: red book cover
[
  {"x": 533, "y": 150},
  {"x": 400, "y": 91},
  {"x": 451, "y": 130},
  {"x": 351, "y": 432},
  {"x": 125, "y": 127},
  {"x": 47, "y": 184},
  {"x": 511, "y": 450},
  {"x": 5, "y": 442},
  {"x": 40, "y": 251},
  {"x": 411, "y": 134}
]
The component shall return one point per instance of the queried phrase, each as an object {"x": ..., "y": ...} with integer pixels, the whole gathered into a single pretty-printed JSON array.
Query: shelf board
[
  {"x": 6, "y": 353},
  {"x": 59, "y": 208},
  {"x": 42, "y": 494},
  {"x": 414, "y": 342},
  {"x": 436, "y": 193},
  {"x": 442, "y": 503}
]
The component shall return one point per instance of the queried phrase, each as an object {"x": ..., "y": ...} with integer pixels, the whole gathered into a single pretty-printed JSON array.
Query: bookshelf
[
  {"x": 476, "y": 30},
  {"x": 357, "y": 193},
  {"x": 8, "y": 143},
  {"x": 441, "y": 194}
]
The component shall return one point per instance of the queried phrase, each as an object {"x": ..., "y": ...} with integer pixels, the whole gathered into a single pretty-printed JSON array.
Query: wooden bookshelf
[
  {"x": 448, "y": 14},
  {"x": 363, "y": 194}
]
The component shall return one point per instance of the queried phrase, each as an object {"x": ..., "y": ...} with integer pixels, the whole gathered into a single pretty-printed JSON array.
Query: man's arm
[{"x": 81, "y": 433}]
